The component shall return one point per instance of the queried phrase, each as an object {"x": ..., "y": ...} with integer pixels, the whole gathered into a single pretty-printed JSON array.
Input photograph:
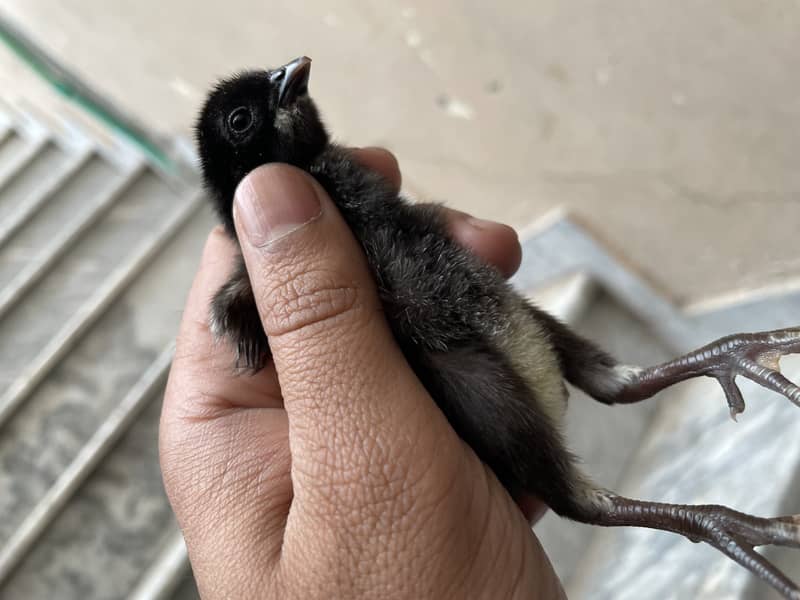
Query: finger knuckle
[{"x": 307, "y": 301}]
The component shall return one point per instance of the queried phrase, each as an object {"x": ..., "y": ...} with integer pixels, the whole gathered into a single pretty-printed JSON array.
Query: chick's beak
[{"x": 293, "y": 79}]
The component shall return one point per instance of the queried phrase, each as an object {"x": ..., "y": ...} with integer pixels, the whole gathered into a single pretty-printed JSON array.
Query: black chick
[{"x": 494, "y": 363}]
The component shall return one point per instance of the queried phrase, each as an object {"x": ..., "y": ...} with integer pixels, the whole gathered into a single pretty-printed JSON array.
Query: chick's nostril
[{"x": 277, "y": 75}]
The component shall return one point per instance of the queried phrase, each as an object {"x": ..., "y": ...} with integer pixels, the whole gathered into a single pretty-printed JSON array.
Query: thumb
[{"x": 350, "y": 396}]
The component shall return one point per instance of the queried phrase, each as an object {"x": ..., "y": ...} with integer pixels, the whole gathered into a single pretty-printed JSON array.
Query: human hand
[{"x": 331, "y": 473}]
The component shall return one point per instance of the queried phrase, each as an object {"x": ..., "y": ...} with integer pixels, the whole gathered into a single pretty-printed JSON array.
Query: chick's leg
[
  {"x": 733, "y": 533},
  {"x": 751, "y": 355},
  {"x": 234, "y": 318}
]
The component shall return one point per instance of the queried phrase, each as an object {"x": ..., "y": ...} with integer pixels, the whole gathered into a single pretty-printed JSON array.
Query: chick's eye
[{"x": 240, "y": 119}]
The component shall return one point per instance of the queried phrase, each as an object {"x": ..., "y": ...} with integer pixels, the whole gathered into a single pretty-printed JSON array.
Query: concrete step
[
  {"x": 673, "y": 442},
  {"x": 693, "y": 453}
]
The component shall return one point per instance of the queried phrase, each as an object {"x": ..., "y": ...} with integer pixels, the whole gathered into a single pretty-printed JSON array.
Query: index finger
[{"x": 381, "y": 161}]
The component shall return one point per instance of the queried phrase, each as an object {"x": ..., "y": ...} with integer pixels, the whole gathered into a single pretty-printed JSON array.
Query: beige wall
[{"x": 671, "y": 128}]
